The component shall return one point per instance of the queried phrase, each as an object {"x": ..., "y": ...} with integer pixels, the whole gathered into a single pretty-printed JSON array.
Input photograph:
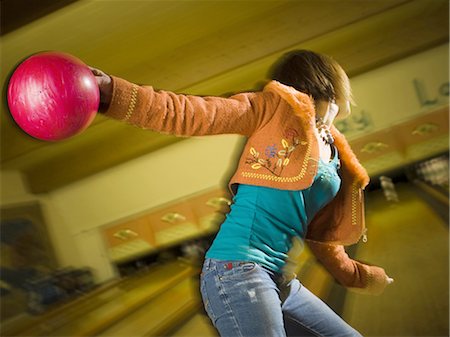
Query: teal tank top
[{"x": 263, "y": 221}]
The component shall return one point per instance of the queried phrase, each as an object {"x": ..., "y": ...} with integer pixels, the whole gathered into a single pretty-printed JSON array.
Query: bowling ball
[{"x": 53, "y": 96}]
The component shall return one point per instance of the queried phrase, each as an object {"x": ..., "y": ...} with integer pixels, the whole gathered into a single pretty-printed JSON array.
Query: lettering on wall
[
  {"x": 358, "y": 121},
  {"x": 361, "y": 121},
  {"x": 425, "y": 98}
]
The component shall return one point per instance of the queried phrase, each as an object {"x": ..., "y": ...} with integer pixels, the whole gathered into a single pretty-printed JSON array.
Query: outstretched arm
[
  {"x": 348, "y": 272},
  {"x": 183, "y": 115}
]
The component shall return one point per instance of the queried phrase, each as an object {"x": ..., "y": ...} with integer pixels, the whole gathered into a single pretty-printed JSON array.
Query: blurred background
[{"x": 104, "y": 234}]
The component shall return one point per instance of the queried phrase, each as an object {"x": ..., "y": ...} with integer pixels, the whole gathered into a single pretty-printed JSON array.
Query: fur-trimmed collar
[
  {"x": 347, "y": 155},
  {"x": 303, "y": 106},
  {"x": 302, "y": 103}
]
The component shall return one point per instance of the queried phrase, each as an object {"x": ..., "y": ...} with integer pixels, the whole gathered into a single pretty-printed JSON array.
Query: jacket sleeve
[
  {"x": 350, "y": 273},
  {"x": 188, "y": 115}
]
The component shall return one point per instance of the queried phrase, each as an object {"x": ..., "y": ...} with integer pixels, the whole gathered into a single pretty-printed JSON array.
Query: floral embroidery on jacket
[{"x": 275, "y": 160}]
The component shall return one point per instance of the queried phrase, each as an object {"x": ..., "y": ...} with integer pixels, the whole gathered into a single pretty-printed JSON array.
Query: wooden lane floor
[
  {"x": 95, "y": 322},
  {"x": 101, "y": 310},
  {"x": 412, "y": 243},
  {"x": 18, "y": 326},
  {"x": 166, "y": 312}
]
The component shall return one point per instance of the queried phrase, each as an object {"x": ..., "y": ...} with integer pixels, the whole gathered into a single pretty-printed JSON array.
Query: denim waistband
[
  {"x": 229, "y": 264},
  {"x": 279, "y": 278}
]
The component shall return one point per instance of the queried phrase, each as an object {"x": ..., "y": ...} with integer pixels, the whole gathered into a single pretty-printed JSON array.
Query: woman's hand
[{"x": 105, "y": 85}]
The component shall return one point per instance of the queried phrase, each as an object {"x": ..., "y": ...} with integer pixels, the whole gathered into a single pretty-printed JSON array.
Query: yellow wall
[
  {"x": 13, "y": 188},
  {"x": 389, "y": 95},
  {"x": 175, "y": 171}
]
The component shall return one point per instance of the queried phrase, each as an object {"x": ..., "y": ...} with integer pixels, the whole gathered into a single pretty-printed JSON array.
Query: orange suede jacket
[{"x": 282, "y": 151}]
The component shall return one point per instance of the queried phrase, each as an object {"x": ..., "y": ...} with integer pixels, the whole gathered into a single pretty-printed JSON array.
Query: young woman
[{"x": 296, "y": 178}]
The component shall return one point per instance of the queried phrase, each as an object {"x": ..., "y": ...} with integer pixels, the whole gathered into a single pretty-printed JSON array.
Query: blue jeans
[{"x": 245, "y": 299}]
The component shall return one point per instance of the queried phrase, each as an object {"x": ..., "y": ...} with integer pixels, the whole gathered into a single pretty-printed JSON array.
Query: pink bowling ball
[{"x": 53, "y": 96}]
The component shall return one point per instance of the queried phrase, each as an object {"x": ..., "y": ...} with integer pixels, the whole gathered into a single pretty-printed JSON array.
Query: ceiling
[{"x": 197, "y": 47}]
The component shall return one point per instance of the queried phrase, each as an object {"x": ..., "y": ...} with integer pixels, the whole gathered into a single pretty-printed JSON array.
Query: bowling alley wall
[{"x": 389, "y": 99}]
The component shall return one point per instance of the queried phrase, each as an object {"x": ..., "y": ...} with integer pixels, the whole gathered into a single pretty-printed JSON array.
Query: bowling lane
[
  {"x": 412, "y": 243},
  {"x": 131, "y": 299},
  {"x": 155, "y": 318},
  {"x": 100, "y": 310}
]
